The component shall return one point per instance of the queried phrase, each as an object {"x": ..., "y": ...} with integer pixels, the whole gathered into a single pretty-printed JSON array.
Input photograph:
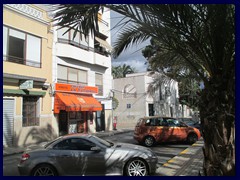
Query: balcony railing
[
  {"x": 73, "y": 43},
  {"x": 18, "y": 60},
  {"x": 71, "y": 82},
  {"x": 103, "y": 22}
]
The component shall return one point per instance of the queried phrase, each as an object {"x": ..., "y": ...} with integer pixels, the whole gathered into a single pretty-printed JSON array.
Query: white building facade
[
  {"x": 82, "y": 80},
  {"x": 134, "y": 101}
]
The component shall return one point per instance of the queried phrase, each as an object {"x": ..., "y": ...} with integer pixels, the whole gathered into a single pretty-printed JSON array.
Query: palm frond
[{"x": 82, "y": 18}]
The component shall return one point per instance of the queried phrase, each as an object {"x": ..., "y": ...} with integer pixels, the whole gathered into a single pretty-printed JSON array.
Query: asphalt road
[
  {"x": 10, "y": 165},
  {"x": 164, "y": 151}
]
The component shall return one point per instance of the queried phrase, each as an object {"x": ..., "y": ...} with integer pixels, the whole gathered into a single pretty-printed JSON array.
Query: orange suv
[{"x": 155, "y": 129}]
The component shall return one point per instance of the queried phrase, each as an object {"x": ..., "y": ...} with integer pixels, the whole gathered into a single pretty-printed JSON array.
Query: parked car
[
  {"x": 82, "y": 154},
  {"x": 156, "y": 129},
  {"x": 192, "y": 123}
]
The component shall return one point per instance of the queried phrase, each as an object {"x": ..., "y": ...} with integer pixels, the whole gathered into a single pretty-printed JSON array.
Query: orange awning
[{"x": 75, "y": 102}]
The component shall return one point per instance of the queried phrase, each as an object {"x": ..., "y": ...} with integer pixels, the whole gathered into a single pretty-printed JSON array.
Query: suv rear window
[{"x": 153, "y": 122}]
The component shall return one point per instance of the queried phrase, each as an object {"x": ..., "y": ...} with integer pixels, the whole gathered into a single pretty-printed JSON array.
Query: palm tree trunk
[{"x": 217, "y": 112}]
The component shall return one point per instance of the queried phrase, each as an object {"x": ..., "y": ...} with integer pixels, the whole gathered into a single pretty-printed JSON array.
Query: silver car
[{"x": 80, "y": 154}]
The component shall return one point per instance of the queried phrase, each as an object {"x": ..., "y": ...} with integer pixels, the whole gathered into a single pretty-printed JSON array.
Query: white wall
[
  {"x": 76, "y": 57},
  {"x": 127, "y": 118}
]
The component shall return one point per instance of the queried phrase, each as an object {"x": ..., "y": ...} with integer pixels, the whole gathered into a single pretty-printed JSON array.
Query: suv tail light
[{"x": 24, "y": 157}]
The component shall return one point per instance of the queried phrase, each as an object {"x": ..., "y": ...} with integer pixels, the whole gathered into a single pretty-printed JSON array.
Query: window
[
  {"x": 68, "y": 37},
  {"x": 20, "y": 47},
  {"x": 173, "y": 123},
  {"x": 75, "y": 144},
  {"x": 129, "y": 91},
  {"x": 167, "y": 91},
  {"x": 128, "y": 106},
  {"x": 31, "y": 112},
  {"x": 153, "y": 122},
  {"x": 161, "y": 93},
  {"x": 71, "y": 75},
  {"x": 99, "y": 83}
]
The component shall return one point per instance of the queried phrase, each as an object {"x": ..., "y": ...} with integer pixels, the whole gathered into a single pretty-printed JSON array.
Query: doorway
[
  {"x": 151, "y": 109},
  {"x": 100, "y": 120},
  {"x": 63, "y": 123}
]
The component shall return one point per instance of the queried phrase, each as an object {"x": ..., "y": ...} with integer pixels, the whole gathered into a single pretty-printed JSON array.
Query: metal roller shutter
[{"x": 8, "y": 113}]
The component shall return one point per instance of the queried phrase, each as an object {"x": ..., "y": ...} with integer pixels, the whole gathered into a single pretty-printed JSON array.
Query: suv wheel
[
  {"x": 149, "y": 141},
  {"x": 192, "y": 138}
]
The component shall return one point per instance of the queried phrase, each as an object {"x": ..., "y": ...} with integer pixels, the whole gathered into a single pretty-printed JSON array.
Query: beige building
[{"x": 27, "y": 67}]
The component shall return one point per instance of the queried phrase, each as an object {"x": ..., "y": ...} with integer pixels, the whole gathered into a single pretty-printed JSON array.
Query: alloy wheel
[
  {"x": 136, "y": 167},
  {"x": 44, "y": 170}
]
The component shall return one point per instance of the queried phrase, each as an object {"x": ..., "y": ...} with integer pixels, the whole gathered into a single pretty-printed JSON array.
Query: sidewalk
[{"x": 188, "y": 163}]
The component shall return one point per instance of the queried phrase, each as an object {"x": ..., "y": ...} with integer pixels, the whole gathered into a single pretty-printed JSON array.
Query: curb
[{"x": 179, "y": 164}]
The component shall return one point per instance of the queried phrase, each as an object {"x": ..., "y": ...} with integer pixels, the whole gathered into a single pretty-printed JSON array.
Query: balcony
[
  {"x": 18, "y": 60},
  {"x": 103, "y": 27}
]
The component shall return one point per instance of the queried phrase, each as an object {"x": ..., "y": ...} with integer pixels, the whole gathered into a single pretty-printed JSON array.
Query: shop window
[
  {"x": 30, "y": 112},
  {"x": 99, "y": 83},
  {"x": 22, "y": 48}
]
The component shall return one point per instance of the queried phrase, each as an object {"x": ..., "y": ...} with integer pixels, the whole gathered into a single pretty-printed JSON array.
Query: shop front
[{"x": 74, "y": 106}]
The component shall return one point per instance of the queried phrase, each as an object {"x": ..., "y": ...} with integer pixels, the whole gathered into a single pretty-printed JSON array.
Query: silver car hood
[{"x": 132, "y": 147}]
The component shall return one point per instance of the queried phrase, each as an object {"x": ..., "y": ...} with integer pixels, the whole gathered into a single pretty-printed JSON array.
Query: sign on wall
[
  {"x": 26, "y": 84},
  {"x": 76, "y": 88}
]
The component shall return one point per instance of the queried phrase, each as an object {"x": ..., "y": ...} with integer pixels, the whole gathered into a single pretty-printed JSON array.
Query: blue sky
[{"x": 133, "y": 55}]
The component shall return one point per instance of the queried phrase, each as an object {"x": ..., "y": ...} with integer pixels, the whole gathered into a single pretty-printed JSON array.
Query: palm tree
[
  {"x": 122, "y": 71},
  {"x": 176, "y": 69},
  {"x": 203, "y": 36}
]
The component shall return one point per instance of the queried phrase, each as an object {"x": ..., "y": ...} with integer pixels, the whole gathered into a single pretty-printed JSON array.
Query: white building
[
  {"x": 134, "y": 102},
  {"x": 82, "y": 79}
]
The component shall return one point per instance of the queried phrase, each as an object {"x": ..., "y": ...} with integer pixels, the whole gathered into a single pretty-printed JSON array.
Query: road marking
[
  {"x": 165, "y": 164},
  {"x": 171, "y": 161},
  {"x": 184, "y": 152}
]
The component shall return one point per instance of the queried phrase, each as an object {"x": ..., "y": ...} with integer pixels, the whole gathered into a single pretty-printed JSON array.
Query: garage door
[{"x": 8, "y": 111}]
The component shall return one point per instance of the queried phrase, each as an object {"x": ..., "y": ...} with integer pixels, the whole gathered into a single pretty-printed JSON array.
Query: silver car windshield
[{"x": 102, "y": 142}]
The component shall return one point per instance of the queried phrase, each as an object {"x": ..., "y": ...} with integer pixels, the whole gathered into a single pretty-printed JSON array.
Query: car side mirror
[{"x": 95, "y": 149}]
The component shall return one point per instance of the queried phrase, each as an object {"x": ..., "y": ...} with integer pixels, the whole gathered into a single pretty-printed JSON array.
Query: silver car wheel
[
  {"x": 137, "y": 167},
  {"x": 149, "y": 141},
  {"x": 44, "y": 170}
]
